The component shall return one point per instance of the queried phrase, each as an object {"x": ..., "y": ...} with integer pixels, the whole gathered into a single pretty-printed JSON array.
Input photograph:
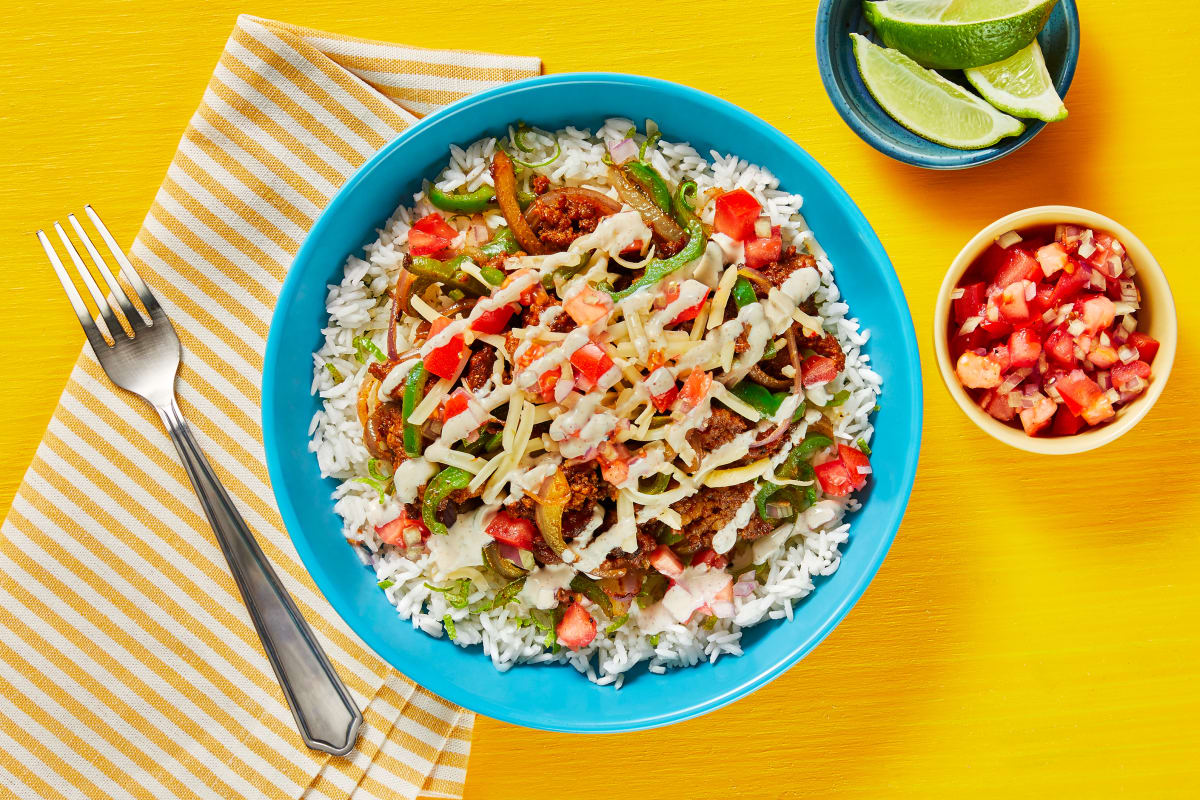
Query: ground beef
[
  {"x": 722, "y": 426},
  {"x": 620, "y": 562},
  {"x": 829, "y": 347},
  {"x": 666, "y": 249},
  {"x": 779, "y": 271},
  {"x": 479, "y": 367},
  {"x": 564, "y": 218},
  {"x": 756, "y": 528},
  {"x": 540, "y": 184},
  {"x": 706, "y": 512},
  {"x": 540, "y": 302},
  {"x": 389, "y": 429}
]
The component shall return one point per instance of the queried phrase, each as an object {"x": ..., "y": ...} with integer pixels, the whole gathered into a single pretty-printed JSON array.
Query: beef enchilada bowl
[{"x": 603, "y": 395}]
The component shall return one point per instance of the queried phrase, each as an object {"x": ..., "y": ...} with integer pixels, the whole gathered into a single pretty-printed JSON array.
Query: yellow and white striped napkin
[{"x": 128, "y": 665}]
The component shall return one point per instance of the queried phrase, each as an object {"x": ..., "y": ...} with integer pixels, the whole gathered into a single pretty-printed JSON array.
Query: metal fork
[{"x": 143, "y": 357}]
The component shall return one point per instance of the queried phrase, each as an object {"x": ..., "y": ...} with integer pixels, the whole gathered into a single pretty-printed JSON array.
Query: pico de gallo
[{"x": 1043, "y": 330}]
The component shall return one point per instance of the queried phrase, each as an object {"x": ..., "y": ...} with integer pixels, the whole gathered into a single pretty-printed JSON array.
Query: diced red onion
[
  {"x": 1098, "y": 281},
  {"x": 969, "y": 325},
  {"x": 1129, "y": 291},
  {"x": 1127, "y": 354},
  {"x": 1113, "y": 396},
  {"x": 956, "y": 294},
  {"x": 762, "y": 227},
  {"x": 1102, "y": 378},
  {"x": 1076, "y": 327},
  {"x": 1007, "y": 240},
  {"x": 863, "y": 470},
  {"x": 1049, "y": 315},
  {"x": 1028, "y": 401},
  {"x": 1123, "y": 307},
  {"x": 1117, "y": 247},
  {"x": 744, "y": 588},
  {"x": 1014, "y": 399},
  {"x": 513, "y": 554},
  {"x": 1126, "y": 397},
  {"x": 1130, "y": 270},
  {"x": 1128, "y": 322},
  {"x": 1060, "y": 233},
  {"x": 622, "y": 151},
  {"x": 1135, "y": 385},
  {"x": 1120, "y": 336},
  {"x": 1104, "y": 340},
  {"x": 1052, "y": 392},
  {"x": 1086, "y": 246},
  {"x": 1030, "y": 290},
  {"x": 993, "y": 313},
  {"x": 412, "y": 536},
  {"x": 1114, "y": 265},
  {"x": 1080, "y": 353},
  {"x": 481, "y": 232},
  {"x": 1013, "y": 380}
]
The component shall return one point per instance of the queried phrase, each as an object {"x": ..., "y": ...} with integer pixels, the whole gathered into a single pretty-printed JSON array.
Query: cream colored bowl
[{"x": 1156, "y": 317}]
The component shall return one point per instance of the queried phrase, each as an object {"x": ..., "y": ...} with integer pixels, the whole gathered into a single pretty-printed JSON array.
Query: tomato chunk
[
  {"x": 434, "y": 225},
  {"x": 971, "y": 302},
  {"x": 591, "y": 361},
  {"x": 515, "y": 531},
  {"x": 1024, "y": 347},
  {"x": 694, "y": 389},
  {"x": 977, "y": 372},
  {"x": 816, "y": 370},
  {"x": 665, "y": 561},
  {"x": 1061, "y": 347},
  {"x": 394, "y": 532},
  {"x": 588, "y": 305},
  {"x": 1012, "y": 304},
  {"x": 735, "y": 214},
  {"x": 997, "y": 405},
  {"x": 1077, "y": 390},
  {"x": 1097, "y": 313},
  {"x": 834, "y": 478},
  {"x": 1018, "y": 266},
  {"x": 577, "y": 628},
  {"x": 1070, "y": 283},
  {"x": 1035, "y": 420},
  {"x": 1065, "y": 423},
  {"x": 425, "y": 244},
  {"x": 689, "y": 313},
  {"x": 709, "y": 557},
  {"x": 456, "y": 403},
  {"x": 1146, "y": 345},
  {"x": 857, "y": 465},
  {"x": 444, "y": 361},
  {"x": 764, "y": 249},
  {"x": 1130, "y": 377},
  {"x": 493, "y": 321},
  {"x": 547, "y": 382}
]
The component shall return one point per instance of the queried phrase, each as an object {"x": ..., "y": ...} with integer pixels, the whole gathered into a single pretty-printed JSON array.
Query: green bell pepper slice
[
  {"x": 660, "y": 268},
  {"x": 414, "y": 391},
  {"x": 462, "y": 203},
  {"x": 448, "y": 480}
]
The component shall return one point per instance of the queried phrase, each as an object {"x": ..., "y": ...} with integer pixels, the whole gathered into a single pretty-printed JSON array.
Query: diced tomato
[
  {"x": 816, "y": 370},
  {"x": 834, "y": 478},
  {"x": 444, "y": 361},
  {"x": 591, "y": 361},
  {"x": 709, "y": 557},
  {"x": 1052, "y": 258},
  {"x": 856, "y": 461},
  {"x": 694, "y": 389},
  {"x": 1035, "y": 420},
  {"x": 614, "y": 461},
  {"x": 456, "y": 403},
  {"x": 435, "y": 225},
  {"x": 971, "y": 302},
  {"x": 1103, "y": 356},
  {"x": 1040, "y": 303},
  {"x": 735, "y": 214},
  {"x": 995, "y": 328},
  {"x": 1065, "y": 423},
  {"x": 998, "y": 406},
  {"x": 1146, "y": 345},
  {"x": 664, "y": 401},
  {"x": 1018, "y": 266},
  {"x": 1077, "y": 390},
  {"x": 964, "y": 342},
  {"x": 1125, "y": 376},
  {"x": 1070, "y": 283},
  {"x": 661, "y": 380},
  {"x": 547, "y": 382},
  {"x": 1098, "y": 410},
  {"x": 425, "y": 244},
  {"x": 577, "y": 628},
  {"x": 529, "y": 355},
  {"x": 665, "y": 561},
  {"x": 977, "y": 372},
  {"x": 1012, "y": 303},
  {"x": 1103, "y": 244},
  {"x": 1024, "y": 347},
  {"x": 992, "y": 261},
  {"x": 588, "y": 305},
  {"x": 1097, "y": 313},
  {"x": 1002, "y": 355},
  {"x": 764, "y": 250},
  {"x": 1061, "y": 347},
  {"x": 516, "y": 531},
  {"x": 493, "y": 321},
  {"x": 393, "y": 532},
  {"x": 690, "y": 312}
]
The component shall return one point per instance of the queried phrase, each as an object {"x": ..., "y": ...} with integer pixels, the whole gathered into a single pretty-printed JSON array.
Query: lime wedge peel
[
  {"x": 928, "y": 104},
  {"x": 1020, "y": 85},
  {"x": 958, "y": 34}
]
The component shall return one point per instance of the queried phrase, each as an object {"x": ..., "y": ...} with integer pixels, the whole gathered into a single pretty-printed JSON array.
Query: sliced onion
[
  {"x": 744, "y": 588},
  {"x": 623, "y": 150},
  {"x": 1097, "y": 281},
  {"x": 663, "y": 225},
  {"x": 969, "y": 325},
  {"x": 762, "y": 227},
  {"x": 1007, "y": 240},
  {"x": 1103, "y": 379},
  {"x": 794, "y": 357},
  {"x": 1076, "y": 327},
  {"x": 957, "y": 293},
  {"x": 539, "y": 207},
  {"x": 1113, "y": 396},
  {"x": 774, "y": 436},
  {"x": 1127, "y": 354},
  {"x": 1014, "y": 380},
  {"x": 1030, "y": 290},
  {"x": 777, "y": 509},
  {"x": 1129, "y": 323}
]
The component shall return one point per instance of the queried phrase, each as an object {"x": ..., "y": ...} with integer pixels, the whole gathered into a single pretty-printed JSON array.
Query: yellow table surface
[{"x": 1036, "y": 626}]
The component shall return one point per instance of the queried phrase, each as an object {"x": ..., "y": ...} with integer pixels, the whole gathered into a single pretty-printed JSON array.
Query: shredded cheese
[{"x": 427, "y": 406}]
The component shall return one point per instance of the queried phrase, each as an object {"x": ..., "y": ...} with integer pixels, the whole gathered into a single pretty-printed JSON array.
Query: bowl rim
[
  {"x": 947, "y": 158},
  {"x": 1161, "y": 306},
  {"x": 803, "y": 644}
]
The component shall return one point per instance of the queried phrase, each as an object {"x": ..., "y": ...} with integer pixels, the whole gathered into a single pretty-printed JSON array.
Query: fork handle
[{"x": 325, "y": 713}]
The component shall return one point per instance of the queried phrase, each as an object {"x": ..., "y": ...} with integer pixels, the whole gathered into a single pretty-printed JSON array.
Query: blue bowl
[
  {"x": 556, "y": 697},
  {"x": 837, "y": 19}
]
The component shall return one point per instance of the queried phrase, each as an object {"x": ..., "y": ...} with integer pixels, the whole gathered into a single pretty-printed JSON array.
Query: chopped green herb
[
  {"x": 762, "y": 572},
  {"x": 380, "y": 486},
  {"x": 364, "y": 347},
  {"x": 876, "y": 408},
  {"x": 653, "y": 638},
  {"x": 334, "y": 372},
  {"x": 864, "y": 447},
  {"x": 508, "y": 593},
  {"x": 373, "y": 471},
  {"x": 456, "y": 595},
  {"x": 653, "y": 588},
  {"x": 387, "y": 584},
  {"x": 838, "y": 399},
  {"x": 616, "y": 624},
  {"x": 449, "y": 625},
  {"x": 709, "y": 623},
  {"x": 492, "y": 275}
]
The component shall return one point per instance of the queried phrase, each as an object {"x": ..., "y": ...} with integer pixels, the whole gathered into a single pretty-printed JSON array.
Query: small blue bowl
[
  {"x": 556, "y": 697},
  {"x": 837, "y": 19}
]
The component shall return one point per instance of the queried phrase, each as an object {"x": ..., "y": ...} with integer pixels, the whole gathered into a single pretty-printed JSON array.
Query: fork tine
[
  {"x": 143, "y": 291},
  {"x": 109, "y": 321},
  {"x": 114, "y": 287},
  {"x": 85, "y": 319}
]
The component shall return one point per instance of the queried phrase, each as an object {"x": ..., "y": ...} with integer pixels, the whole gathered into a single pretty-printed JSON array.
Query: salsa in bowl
[{"x": 1055, "y": 329}]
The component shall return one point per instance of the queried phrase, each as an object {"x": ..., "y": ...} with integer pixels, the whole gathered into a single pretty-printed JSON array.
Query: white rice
[{"x": 359, "y": 306}]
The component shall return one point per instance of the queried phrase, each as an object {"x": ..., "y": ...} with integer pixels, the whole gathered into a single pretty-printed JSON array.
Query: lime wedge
[
  {"x": 1020, "y": 85},
  {"x": 928, "y": 104},
  {"x": 957, "y": 34}
]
